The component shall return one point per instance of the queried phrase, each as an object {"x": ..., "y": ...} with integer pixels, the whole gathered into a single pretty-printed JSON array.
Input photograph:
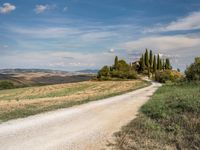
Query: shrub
[
  {"x": 193, "y": 71},
  {"x": 120, "y": 70},
  {"x": 128, "y": 74},
  {"x": 6, "y": 85},
  {"x": 168, "y": 75},
  {"x": 104, "y": 72},
  {"x": 132, "y": 74}
]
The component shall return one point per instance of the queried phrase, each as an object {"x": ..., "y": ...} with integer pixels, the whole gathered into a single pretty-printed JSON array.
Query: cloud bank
[{"x": 189, "y": 22}]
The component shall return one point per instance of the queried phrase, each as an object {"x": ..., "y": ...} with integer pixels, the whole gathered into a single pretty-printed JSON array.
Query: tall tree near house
[
  {"x": 151, "y": 59},
  {"x": 154, "y": 64},
  {"x": 170, "y": 66},
  {"x": 158, "y": 62},
  {"x": 160, "y": 67},
  {"x": 167, "y": 64},
  {"x": 116, "y": 63},
  {"x": 147, "y": 58},
  {"x": 163, "y": 64},
  {"x": 142, "y": 63}
]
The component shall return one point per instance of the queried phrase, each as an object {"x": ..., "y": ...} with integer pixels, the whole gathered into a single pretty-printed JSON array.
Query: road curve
[{"x": 86, "y": 127}]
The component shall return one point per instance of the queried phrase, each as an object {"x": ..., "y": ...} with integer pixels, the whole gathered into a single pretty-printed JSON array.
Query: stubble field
[{"x": 22, "y": 102}]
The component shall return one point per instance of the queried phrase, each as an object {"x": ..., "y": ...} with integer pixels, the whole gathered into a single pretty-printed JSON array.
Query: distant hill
[
  {"x": 29, "y": 77},
  {"x": 89, "y": 71},
  {"x": 18, "y": 70}
]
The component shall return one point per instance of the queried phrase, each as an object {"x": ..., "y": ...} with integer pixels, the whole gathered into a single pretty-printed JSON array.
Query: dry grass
[{"x": 23, "y": 102}]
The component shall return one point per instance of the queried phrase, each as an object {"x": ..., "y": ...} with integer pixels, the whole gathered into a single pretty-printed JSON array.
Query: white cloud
[
  {"x": 164, "y": 43},
  {"x": 112, "y": 50},
  {"x": 181, "y": 49},
  {"x": 42, "y": 8},
  {"x": 96, "y": 35},
  {"x": 44, "y": 32},
  {"x": 6, "y": 8},
  {"x": 190, "y": 22},
  {"x": 74, "y": 36},
  {"x": 56, "y": 60}
]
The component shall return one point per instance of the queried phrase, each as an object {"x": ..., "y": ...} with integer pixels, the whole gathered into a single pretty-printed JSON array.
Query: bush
[
  {"x": 6, "y": 85},
  {"x": 128, "y": 74},
  {"x": 193, "y": 71},
  {"x": 104, "y": 72},
  {"x": 120, "y": 70},
  {"x": 168, "y": 75},
  {"x": 132, "y": 74}
]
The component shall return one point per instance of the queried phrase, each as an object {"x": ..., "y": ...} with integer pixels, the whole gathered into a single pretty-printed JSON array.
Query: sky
[{"x": 87, "y": 34}]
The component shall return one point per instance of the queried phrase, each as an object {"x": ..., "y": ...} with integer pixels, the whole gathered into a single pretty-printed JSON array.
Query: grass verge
[
  {"x": 170, "y": 120},
  {"x": 71, "y": 98}
]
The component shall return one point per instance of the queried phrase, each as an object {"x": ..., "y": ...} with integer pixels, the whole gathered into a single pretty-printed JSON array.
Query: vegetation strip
[{"x": 170, "y": 120}]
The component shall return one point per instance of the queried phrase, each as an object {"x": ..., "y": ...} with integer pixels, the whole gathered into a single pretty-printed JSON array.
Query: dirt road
[{"x": 86, "y": 127}]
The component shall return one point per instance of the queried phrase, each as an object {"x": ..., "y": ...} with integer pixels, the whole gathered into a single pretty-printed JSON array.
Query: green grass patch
[{"x": 169, "y": 120}]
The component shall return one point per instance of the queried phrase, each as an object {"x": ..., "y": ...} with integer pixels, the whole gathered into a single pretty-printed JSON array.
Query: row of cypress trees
[{"x": 152, "y": 63}]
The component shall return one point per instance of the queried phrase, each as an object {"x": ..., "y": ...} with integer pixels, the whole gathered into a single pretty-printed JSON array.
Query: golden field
[{"x": 23, "y": 102}]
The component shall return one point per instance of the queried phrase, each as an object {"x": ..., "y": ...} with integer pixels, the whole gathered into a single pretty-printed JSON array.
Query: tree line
[
  {"x": 150, "y": 63},
  {"x": 120, "y": 69}
]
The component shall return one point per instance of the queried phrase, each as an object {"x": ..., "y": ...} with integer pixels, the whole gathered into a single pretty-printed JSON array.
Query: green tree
[
  {"x": 142, "y": 63},
  {"x": 151, "y": 59},
  {"x": 122, "y": 65},
  {"x": 158, "y": 62},
  {"x": 160, "y": 66},
  {"x": 6, "y": 85},
  {"x": 163, "y": 64},
  {"x": 116, "y": 63},
  {"x": 193, "y": 71},
  {"x": 147, "y": 58},
  {"x": 104, "y": 72},
  {"x": 124, "y": 71},
  {"x": 154, "y": 64},
  {"x": 167, "y": 64}
]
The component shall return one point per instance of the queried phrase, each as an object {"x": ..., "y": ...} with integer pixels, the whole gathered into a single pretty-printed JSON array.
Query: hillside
[{"x": 30, "y": 77}]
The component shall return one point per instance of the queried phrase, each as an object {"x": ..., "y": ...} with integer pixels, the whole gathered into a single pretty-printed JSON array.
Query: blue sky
[{"x": 81, "y": 34}]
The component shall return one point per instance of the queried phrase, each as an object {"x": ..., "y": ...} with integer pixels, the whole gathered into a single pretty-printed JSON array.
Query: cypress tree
[
  {"x": 160, "y": 65},
  {"x": 163, "y": 64},
  {"x": 116, "y": 63},
  {"x": 158, "y": 62},
  {"x": 168, "y": 65},
  {"x": 154, "y": 64},
  {"x": 151, "y": 59},
  {"x": 147, "y": 58},
  {"x": 142, "y": 63}
]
